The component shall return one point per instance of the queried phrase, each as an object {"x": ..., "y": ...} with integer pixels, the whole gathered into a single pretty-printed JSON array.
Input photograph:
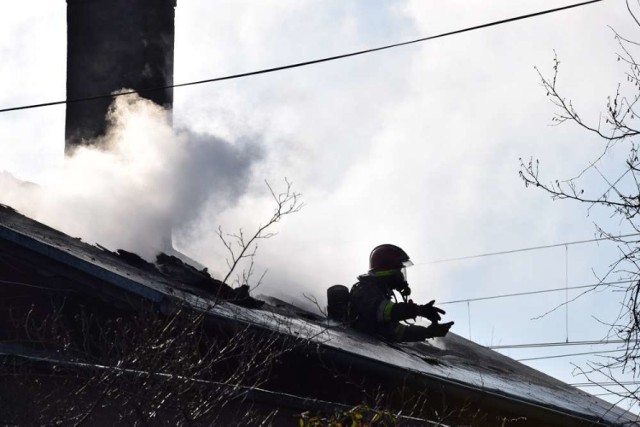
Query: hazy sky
[{"x": 416, "y": 146}]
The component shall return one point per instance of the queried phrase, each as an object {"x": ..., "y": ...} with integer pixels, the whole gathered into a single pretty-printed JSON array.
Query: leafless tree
[
  {"x": 618, "y": 127},
  {"x": 243, "y": 248},
  {"x": 137, "y": 367}
]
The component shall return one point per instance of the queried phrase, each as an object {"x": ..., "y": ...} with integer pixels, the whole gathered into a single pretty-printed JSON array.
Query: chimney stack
[{"x": 115, "y": 44}]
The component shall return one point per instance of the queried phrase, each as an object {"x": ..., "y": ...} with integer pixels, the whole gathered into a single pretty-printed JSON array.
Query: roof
[{"x": 453, "y": 361}]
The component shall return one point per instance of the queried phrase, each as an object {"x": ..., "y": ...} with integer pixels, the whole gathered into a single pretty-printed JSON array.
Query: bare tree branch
[
  {"x": 241, "y": 247},
  {"x": 618, "y": 127}
]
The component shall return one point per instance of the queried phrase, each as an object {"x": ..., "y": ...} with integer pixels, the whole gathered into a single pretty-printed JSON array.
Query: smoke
[{"x": 130, "y": 188}]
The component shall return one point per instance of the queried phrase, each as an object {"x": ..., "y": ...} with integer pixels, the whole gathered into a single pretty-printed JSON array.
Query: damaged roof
[{"x": 453, "y": 360}]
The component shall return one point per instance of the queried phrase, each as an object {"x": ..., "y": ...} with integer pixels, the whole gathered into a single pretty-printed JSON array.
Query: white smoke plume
[{"x": 138, "y": 182}]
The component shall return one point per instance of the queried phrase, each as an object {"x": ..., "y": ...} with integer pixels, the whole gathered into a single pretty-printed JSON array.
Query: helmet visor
[{"x": 405, "y": 265}]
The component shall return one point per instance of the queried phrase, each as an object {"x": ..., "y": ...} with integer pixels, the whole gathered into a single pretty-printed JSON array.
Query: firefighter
[{"x": 371, "y": 309}]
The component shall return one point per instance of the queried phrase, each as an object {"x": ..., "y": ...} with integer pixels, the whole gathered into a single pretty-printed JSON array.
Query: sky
[{"x": 417, "y": 146}]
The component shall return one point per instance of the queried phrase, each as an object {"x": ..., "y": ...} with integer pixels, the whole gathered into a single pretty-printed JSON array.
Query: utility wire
[
  {"x": 303, "y": 64},
  {"x": 533, "y": 248},
  {"x": 605, "y": 384},
  {"x": 566, "y": 290},
  {"x": 555, "y": 344},
  {"x": 609, "y": 394},
  {"x": 28, "y": 285},
  {"x": 595, "y": 285},
  {"x": 567, "y": 355}
]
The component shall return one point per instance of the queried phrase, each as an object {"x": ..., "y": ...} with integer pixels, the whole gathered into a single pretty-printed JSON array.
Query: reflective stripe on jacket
[{"x": 370, "y": 308}]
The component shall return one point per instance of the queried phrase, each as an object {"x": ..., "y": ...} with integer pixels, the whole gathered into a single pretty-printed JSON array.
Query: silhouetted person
[{"x": 371, "y": 308}]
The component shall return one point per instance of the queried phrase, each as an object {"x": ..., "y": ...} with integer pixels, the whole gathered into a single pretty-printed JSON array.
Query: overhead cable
[
  {"x": 302, "y": 64},
  {"x": 568, "y": 355},
  {"x": 605, "y": 384},
  {"x": 29, "y": 285},
  {"x": 555, "y": 344},
  {"x": 533, "y": 248},
  {"x": 595, "y": 285},
  {"x": 235, "y": 390}
]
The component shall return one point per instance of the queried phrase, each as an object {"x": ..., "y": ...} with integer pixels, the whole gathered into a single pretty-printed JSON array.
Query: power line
[
  {"x": 567, "y": 355},
  {"x": 595, "y": 285},
  {"x": 533, "y": 248},
  {"x": 303, "y": 64},
  {"x": 28, "y": 285},
  {"x": 555, "y": 344},
  {"x": 605, "y": 384}
]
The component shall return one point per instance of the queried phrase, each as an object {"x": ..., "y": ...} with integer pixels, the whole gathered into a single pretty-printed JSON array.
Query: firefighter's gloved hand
[
  {"x": 430, "y": 312},
  {"x": 438, "y": 329}
]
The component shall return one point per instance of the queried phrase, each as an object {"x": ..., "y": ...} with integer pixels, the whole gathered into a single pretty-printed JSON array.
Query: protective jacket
[{"x": 371, "y": 310}]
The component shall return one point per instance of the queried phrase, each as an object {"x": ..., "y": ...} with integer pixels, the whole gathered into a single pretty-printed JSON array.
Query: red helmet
[{"x": 387, "y": 257}]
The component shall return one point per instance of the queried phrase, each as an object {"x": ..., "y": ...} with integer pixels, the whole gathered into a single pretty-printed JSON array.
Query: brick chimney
[{"x": 115, "y": 44}]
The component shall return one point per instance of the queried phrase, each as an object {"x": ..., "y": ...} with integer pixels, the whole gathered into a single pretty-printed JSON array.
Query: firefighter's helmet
[{"x": 388, "y": 257}]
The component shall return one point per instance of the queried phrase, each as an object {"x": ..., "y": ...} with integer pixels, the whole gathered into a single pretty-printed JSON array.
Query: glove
[
  {"x": 430, "y": 312},
  {"x": 438, "y": 329}
]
